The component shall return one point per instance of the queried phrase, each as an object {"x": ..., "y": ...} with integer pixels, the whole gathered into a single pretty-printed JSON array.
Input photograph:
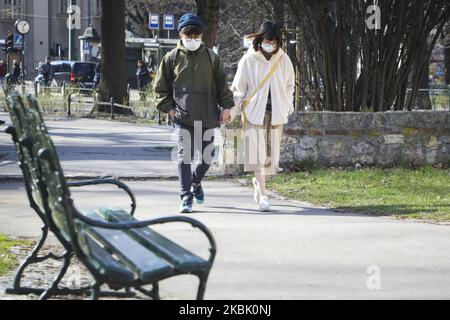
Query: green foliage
[
  {"x": 8, "y": 260},
  {"x": 399, "y": 192}
]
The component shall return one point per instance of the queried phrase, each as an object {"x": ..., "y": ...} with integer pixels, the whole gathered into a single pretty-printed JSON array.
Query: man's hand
[{"x": 225, "y": 116}]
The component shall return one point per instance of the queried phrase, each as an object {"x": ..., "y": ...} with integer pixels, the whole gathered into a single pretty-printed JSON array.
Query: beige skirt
[{"x": 262, "y": 146}]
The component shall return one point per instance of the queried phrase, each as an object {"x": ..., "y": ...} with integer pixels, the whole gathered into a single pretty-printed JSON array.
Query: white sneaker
[
  {"x": 256, "y": 191},
  {"x": 264, "y": 205}
]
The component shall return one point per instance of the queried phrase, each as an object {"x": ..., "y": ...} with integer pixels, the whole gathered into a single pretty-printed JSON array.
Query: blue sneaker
[
  {"x": 186, "y": 205},
  {"x": 199, "y": 195}
]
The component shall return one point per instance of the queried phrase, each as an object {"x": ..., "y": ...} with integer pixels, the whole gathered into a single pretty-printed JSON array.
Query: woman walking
[{"x": 263, "y": 92}]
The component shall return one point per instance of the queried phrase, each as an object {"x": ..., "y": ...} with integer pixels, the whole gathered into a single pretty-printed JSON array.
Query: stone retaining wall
[{"x": 385, "y": 139}]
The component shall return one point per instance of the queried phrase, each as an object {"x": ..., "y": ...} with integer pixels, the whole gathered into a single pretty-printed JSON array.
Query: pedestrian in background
[
  {"x": 16, "y": 73},
  {"x": 3, "y": 71},
  {"x": 97, "y": 75},
  {"x": 45, "y": 71},
  {"x": 143, "y": 78}
]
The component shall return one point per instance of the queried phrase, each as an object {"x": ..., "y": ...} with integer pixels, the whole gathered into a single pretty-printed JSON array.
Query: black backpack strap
[
  {"x": 212, "y": 57},
  {"x": 173, "y": 60}
]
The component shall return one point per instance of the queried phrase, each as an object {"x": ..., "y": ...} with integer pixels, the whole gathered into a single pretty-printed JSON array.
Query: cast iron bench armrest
[
  {"x": 145, "y": 223},
  {"x": 116, "y": 182}
]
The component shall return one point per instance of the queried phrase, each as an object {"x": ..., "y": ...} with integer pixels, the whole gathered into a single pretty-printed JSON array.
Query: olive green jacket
[{"x": 192, "y": 86}]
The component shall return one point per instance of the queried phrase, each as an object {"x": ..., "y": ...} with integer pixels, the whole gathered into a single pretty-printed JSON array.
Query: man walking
[
  {"x": 16, "y": 73},
  {"x": 45, "y": 71},
  {"x": 2, "y": 71},
  {"x": 143, "y": 78},
  {"x": 191, "y": 86}
]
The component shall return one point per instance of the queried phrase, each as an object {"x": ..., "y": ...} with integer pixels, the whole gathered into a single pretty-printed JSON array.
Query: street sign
[
  {"x": 169, "y": 22},
  {"x": 18, "y": 41},
  {"x": 153, "y": 21},
  {"x": 86, "y": 47}
]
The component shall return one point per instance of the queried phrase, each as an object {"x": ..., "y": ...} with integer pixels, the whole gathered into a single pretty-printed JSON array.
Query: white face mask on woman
[
  {"x": 192, "y": 44},
  {"x": 268, "y": 48}
]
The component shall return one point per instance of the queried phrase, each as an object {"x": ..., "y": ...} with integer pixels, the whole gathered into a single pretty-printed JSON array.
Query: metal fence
[
  {"x": 431, "y": 99},
  {"x": 67, "y": 100}
]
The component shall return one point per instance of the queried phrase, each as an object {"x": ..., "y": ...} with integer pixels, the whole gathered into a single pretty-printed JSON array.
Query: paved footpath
[
  {"x": 296, "y": 252},
  {"x": 93, "y": 148}
]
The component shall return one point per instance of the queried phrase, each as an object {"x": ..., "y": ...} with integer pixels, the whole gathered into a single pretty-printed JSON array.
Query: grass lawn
[
  {"x": 402, "y": 193},
  {"x": 8, "y": 260}
]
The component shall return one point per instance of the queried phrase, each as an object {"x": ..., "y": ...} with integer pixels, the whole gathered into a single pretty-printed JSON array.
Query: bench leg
[
  {"x": 154, "y": 293},
  {"x": 203, "y": 278},
  {"x": 33, "y": 257},
  {"x": 95, "y": 294},
  {"x": 54, "y": 286}
]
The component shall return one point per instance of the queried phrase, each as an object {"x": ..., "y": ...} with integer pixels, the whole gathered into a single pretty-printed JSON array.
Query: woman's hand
[{"x": 225, "y": 116}]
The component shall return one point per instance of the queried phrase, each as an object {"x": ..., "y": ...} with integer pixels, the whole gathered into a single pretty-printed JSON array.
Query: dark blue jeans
[{"x": 193, "y": 143}]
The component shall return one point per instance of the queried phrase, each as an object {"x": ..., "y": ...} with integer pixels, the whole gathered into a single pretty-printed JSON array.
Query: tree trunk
[
  {"x": 279, "y": 11},
  {"x": 113, "y": 81},
  {"x": 447, "y": 53},
  {"x": 208, "y": 10}
]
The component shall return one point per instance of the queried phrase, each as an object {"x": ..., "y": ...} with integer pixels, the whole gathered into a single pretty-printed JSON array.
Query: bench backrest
[
  {"x": 42, "y": 165},
  {"x": 56, "y": 192},
  {"x": 46, "y": 177},
  {"x": 28, "y": 163}
]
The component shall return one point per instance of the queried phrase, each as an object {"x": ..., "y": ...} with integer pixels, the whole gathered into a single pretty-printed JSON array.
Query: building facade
[{"x": 50, "y": 32}]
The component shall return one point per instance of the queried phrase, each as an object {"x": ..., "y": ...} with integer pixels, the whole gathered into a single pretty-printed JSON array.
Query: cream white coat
[{"x": 252, "y": 69}]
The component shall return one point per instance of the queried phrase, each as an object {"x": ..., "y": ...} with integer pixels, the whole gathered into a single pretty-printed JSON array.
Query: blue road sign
[
  {"x": 18, "y": 41},
  {"x": 169, "y": 22},
  {"x": 86, "y": 47},
  {"x": 153, "y": 21}
]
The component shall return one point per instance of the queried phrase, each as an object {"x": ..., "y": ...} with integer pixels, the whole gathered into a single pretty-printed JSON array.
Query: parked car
[{"x": 76, "y": 73}]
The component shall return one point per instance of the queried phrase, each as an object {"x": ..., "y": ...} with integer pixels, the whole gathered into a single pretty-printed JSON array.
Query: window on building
[
  {"x": 12, "y": 9},
  {"x": 62, "y": 7},
  {"x": 98, "y": 8}
]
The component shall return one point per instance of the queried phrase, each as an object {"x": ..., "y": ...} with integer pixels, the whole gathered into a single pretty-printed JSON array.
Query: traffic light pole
[
  {"x": 7, "y": 61},
  {"x": 9, "y": 45}
]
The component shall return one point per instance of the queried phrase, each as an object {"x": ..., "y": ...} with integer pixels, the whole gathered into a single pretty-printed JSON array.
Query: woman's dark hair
[
  {"x": 269, "y": 30},
  {"x": 192, "y": 30}
]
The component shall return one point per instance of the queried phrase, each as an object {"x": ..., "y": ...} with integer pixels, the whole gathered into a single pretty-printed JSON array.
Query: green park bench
[{"x": 119, "y": 251}]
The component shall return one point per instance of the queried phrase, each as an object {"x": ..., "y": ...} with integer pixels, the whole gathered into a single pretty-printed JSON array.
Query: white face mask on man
[{"x": 192, "y": 44}]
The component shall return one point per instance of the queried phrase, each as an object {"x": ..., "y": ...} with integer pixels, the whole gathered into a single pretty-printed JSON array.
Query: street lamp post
[
  {"x": 23, "y": 59},
  {"x": 71, "y": 12}
]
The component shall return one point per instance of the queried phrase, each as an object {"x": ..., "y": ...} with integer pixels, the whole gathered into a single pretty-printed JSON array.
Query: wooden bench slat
[
  {"x": 107, "y": 265},
  {"x": 139, "y": 258},
  {"x": 181, "y": 258}
]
